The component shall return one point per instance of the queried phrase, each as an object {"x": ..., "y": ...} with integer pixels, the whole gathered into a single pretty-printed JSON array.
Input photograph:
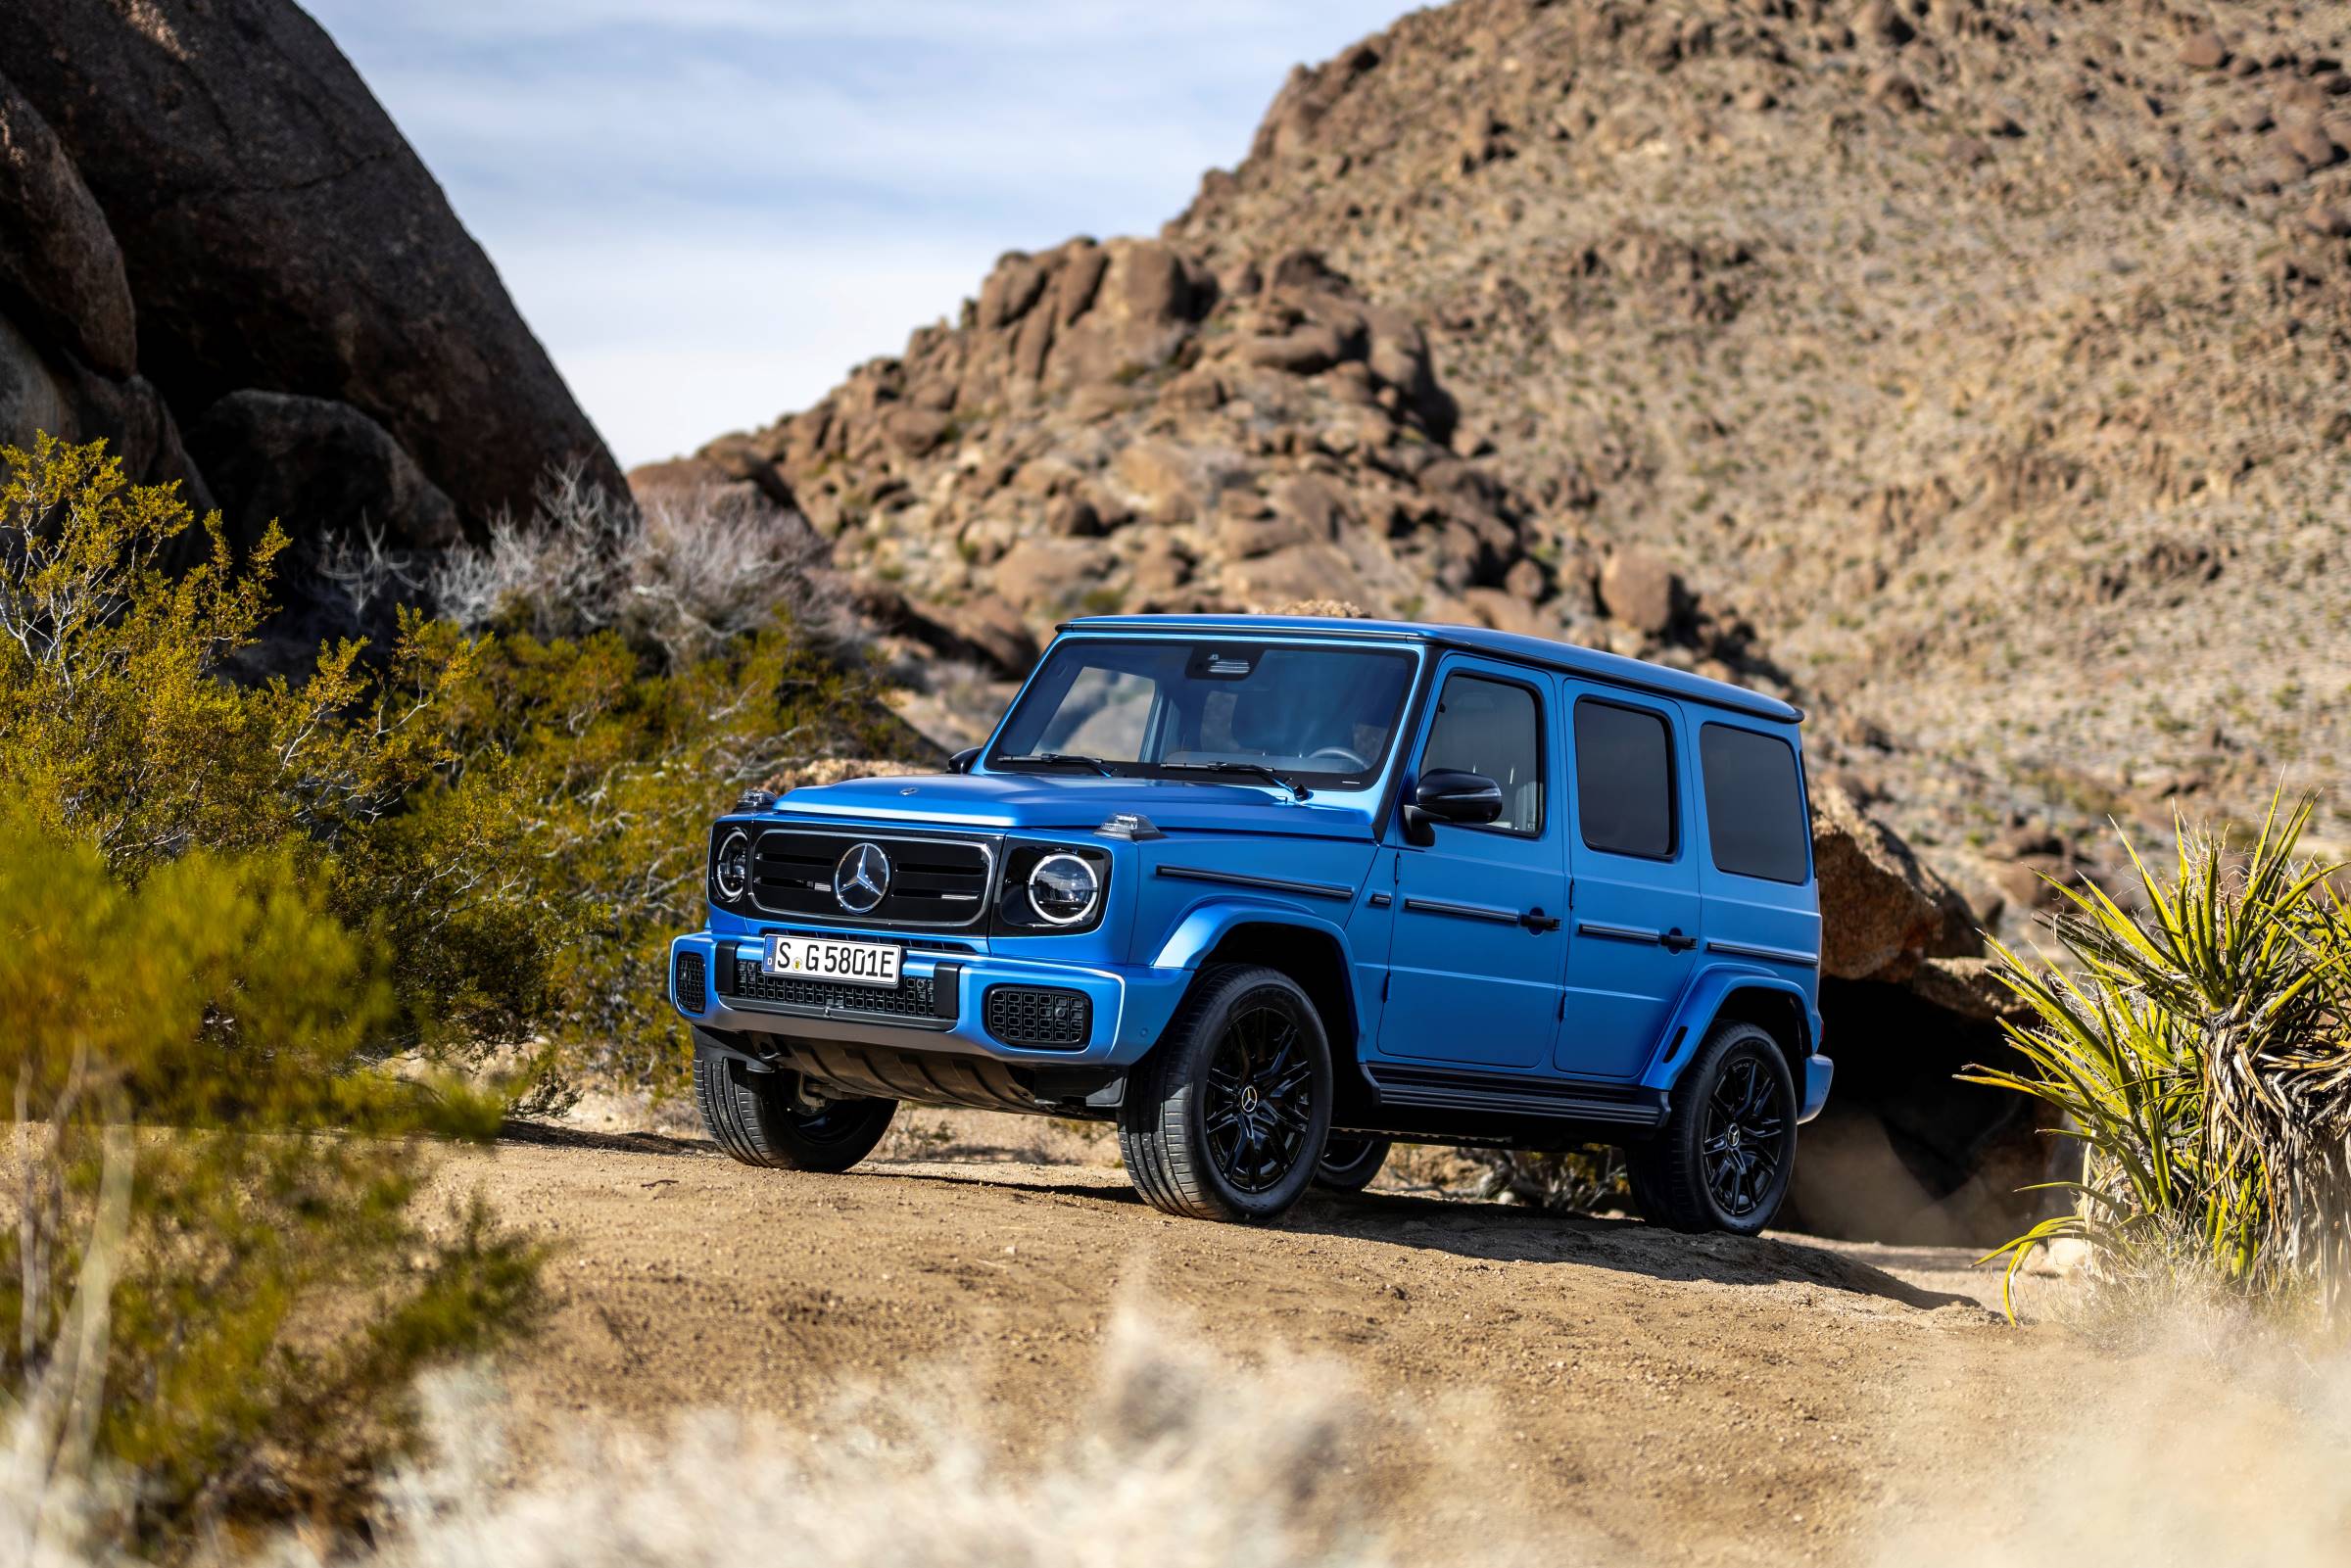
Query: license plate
[{"x": 820, "y": 958}]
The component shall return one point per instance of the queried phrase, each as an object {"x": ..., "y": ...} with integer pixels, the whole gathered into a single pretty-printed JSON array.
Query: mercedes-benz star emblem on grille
[{"x": 862, "y": 879}]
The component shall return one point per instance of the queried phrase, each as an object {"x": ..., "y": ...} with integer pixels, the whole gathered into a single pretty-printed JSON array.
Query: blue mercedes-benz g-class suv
[{"x": 1272, "y": 893}]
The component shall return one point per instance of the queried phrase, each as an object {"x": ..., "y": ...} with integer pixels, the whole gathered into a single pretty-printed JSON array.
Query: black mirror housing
[
  {"x": 961, "y": 761},
  {"x": 1449, "y": 794}
]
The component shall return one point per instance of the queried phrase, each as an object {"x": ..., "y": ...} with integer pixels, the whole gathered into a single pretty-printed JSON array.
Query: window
[
  {"x": 1756, "y": 820},
  {"x": 1325, "y": 715},
  {"x": 1493, "y": 728},
  {"x": 1624, "y": 780}
]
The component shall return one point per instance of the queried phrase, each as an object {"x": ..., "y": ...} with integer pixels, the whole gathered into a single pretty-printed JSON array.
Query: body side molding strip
[
  {"x": 1777, "y": 955},
  {"x": 1269, "y": 884},
  {"x": 1619, "y": 933},
  {"x": 1441, "y": 906}
]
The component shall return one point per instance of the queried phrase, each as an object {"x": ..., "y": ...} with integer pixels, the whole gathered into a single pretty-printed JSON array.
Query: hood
[{"x": 1000, "y": 801}]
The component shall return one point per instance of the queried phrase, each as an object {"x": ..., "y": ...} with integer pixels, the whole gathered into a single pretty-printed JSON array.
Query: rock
[
  {"x": 1162, "y": 480},
  {"x": 1309, "y": 351},
  {"x": 43, "y": 391},
  {"x": 1072, "y": 517},
  {"x": 1881, "y": 909},
  {"x": 2204, "y": 51},
  {"x": 1967, "y": 986},
  {"x": 2311, "y": 142},
  {"x": 916, "y": 431},
  {"x": 60, "y": 269},
  {"x": 1504, "y": 612},
  {"x": 2329, "y": 221},
  {"x": 1643, "y": 591},
  {"x": 982, "y": 629},
  {"x": 1524, "y": 581},
  {"x": 1879, "y": 22},
  {"x": 1043, "y": 577},
  {"x": 277, "y": 233},
  {"x": 316, "y": 467},
  {"x": 1320, "y": 510},
  {"x": 1891, "y": 89}
]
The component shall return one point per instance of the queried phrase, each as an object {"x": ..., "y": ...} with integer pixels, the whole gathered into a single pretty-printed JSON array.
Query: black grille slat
[
  {"x": 1040, "y": 1018},
  {"x": 912, "y": 997},
  {"x": 932, "y": 881}
]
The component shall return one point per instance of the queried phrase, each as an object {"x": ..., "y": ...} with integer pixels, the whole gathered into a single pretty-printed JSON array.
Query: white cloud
[{"x": 709, "y": 208}]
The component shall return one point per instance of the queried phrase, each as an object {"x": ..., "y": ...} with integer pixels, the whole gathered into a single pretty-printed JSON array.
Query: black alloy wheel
[
  {"x": 1260, "y": 1103},
  {"x": 1745, "y": 1137},
  {"x": 1726, "y": 1154},
  {"x": 1227, "y": 1117}
]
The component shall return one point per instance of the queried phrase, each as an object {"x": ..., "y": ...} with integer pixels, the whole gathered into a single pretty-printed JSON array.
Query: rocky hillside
[
  {"x": 217, "y": 252},
  {"x": 1973, "y": 369}
]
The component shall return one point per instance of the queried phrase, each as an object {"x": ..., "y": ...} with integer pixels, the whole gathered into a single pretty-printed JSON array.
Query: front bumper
[{"x": 941, "y": 1004}]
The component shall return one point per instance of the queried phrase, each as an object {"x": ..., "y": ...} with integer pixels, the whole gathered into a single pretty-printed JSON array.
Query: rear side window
[
  {"x": 1492, "y": 726},
  {"x": 1624, "y": 780},
  {"x": 1755, "y": 819}
]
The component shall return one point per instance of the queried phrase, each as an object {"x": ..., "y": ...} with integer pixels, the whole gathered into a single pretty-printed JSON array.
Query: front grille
[
  {"x": 913, "y": 998},
  {"x": 692, "y": 994},
  {"x": 1040, "y": 1018},
  {"x": 932, "y": 881}
]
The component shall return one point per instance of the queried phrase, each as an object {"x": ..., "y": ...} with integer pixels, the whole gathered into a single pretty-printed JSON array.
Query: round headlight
[
  {"x": 730, "y": 869},
  {"x": 1062, "y": 888}
]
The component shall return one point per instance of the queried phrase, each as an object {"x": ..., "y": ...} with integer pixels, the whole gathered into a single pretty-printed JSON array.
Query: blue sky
[{"x": 710, "y": 209}]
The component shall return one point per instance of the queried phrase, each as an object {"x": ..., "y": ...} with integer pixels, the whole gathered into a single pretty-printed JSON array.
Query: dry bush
[{"x": 684, "y": 573}]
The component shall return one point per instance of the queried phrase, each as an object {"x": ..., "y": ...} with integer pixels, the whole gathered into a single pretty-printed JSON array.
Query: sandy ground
[{"x": 1674, "y": 1398}]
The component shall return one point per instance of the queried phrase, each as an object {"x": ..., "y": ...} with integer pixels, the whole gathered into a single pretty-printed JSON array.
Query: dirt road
[{"x": 1703, "y": 1398}]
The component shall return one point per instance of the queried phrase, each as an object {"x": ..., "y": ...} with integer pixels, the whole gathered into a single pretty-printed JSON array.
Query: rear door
[
  {"x": 1635, "y": 924},
  {"x": 1476, "y": 955}
]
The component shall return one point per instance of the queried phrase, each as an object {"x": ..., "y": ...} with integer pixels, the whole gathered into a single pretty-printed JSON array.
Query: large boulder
[
  {"x": 278, "y": 233},
  {"x": 44, "y": 390},
  {"x": 1882, "y": 909},
  {"x": 60, "y": 273},
  {"x": 317, "y": 467}
]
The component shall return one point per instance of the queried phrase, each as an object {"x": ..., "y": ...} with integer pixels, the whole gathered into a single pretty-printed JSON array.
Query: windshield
[{"x": 1324, "y": 716}]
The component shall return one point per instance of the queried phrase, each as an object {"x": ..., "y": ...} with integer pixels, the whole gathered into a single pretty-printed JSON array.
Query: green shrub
[
  {"x": 2200, "y": 1049},
  {"x": 118, "y": 730},
  {"x": 232, "y": 1302},
  {"x": 615, "y": 771}
]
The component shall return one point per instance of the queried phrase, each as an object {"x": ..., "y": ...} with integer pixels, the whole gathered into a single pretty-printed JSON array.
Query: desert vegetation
[
  {"x": 2197, "y": 1039},
  {"x": 262, "y": 938}
]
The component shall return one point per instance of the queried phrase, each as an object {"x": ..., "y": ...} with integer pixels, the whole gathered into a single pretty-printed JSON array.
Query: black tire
[
  {"x": 1724, "y": 1160},
  {"x": 1350, "y": 1160},
  {"x": 751, "y": 1116},
  {"x": 1227, "y": 1117}
]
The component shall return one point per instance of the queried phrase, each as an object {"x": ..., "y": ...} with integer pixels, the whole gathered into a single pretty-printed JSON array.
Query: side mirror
[
  {"x": 1449, "y": 794},
  {"x": 962, "y": 761}
]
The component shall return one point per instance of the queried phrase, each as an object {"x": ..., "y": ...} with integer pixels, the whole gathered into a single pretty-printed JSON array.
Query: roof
[{"x": 1590, "y": 663}]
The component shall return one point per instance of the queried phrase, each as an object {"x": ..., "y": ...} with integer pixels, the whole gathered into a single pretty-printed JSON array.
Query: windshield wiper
[
  {"x": 1257, "y": 770},
  {"x": 1047, "y": 758}
]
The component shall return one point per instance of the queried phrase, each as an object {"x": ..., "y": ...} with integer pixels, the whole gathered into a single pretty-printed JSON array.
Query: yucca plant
[{"x": 2198, "y": 1047}]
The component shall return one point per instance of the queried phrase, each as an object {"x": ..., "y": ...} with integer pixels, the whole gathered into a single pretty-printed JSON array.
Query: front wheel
[
  {"x": 755, "y": 1117},
  {"x": 1227, "y": 1117},
  {"x": 1724, "y": 1157}
]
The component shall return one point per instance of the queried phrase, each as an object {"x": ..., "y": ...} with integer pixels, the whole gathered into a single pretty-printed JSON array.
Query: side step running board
[{"x": 1507, "y": 1095}]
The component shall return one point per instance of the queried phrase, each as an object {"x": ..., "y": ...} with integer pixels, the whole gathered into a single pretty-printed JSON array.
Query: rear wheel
[
  {"x": 1227, "y": 1117},
  {"x": 1350, "y": 1160},
  {"x": 1724, "y": 1157},
  {"x": 758, "y": 1119}
]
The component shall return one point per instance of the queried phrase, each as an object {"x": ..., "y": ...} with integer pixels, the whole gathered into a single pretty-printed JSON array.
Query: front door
[
  {"x": 1634, "y": 938},
  {"x": 1475, "y": 960}
]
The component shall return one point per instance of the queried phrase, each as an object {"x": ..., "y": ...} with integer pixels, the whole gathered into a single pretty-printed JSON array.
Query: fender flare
[
  {"x": 1712, "y": 986},
  {"x": 1209, "y": 922}
]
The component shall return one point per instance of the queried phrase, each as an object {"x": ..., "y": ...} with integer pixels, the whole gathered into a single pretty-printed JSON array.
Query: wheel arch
[
  {"x": 1309, "y": 950},
  {"x": 1771, "y": 1002}
]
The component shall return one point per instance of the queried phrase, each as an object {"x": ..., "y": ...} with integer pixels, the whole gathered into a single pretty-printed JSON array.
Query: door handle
[
  {"x": 1676, "y": 942},
  {"x": 1534, "y": 920}
]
